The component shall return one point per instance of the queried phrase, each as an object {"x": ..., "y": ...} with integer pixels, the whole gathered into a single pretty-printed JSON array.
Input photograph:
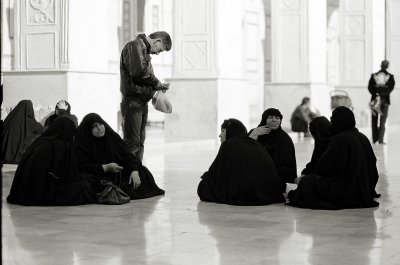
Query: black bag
[{"x": 112, "y": 194}]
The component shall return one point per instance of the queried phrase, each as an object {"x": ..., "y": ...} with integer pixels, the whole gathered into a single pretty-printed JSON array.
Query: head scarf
[
  {"x": 113, "y": 148},
  {"x": 233, "y": 128},
  {"x": 342, "y": 119},
  {"x": 19, "y": 124},
  {"x": 321, "y": 128},
  {"x": 269, "y": 112}
]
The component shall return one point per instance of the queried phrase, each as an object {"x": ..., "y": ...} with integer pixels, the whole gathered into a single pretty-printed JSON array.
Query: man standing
[
  {"x": 380, "y": 86},
  {"x": 138, "y": 86}
]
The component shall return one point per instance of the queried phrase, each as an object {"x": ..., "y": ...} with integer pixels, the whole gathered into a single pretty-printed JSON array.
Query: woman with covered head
[
  {"x": 242, "y": 173},
  {"x": 346, "y": 173},
  {"x": 20, "y": 129},
  {"x": 321, "y": 131},
  {"x": 47, "y": 174},
  {"x": 100, "y": 151},
  {"x": 63, "y": 109},
  {"x": 278, "y": 144}
]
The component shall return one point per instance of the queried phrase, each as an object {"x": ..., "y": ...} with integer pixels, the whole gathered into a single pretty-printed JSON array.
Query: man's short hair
[{"x": 165, "y": 38}]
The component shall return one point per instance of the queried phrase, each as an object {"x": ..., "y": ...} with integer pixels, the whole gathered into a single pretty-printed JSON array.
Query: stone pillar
[
  {"x": 298, "y": 33},
  {"x": 393, "y": 54},
  {"x": 209, "y": 81},
  {"x": 58, "y": 56},
  {"x": 361, "y": 51}
]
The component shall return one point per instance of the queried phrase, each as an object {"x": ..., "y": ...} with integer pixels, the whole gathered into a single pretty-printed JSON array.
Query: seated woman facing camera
[
  {"x": 47, "y": 174},
  {"x": 345, "y": 175},
  {"x": 100, "y": 151},
  {"x": 242, "y": 173}
]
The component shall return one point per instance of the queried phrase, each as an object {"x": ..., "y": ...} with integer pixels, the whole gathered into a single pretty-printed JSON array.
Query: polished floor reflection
[{"x": 178, "y": 229}]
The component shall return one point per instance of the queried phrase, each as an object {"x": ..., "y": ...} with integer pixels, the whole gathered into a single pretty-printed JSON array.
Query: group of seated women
[
  {"x": 256, "y": 168},
  {"x": 66, "y": 165}
]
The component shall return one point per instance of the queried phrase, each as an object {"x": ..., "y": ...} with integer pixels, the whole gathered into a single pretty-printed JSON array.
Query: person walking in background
[
  {"x": 138, "y": 86},
  {"x": 302, "y": 116},
  {"x": 380, "y": 85}
]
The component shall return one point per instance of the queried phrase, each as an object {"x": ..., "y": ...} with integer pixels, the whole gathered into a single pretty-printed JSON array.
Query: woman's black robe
[
  {"x": 47, "y": 175},
  {"x": 280, "y": 147},
  {"x": 241, "y": 174},
  {"x": 20, "y": 129},
  {"x": 346, "y": 173},
  {"x": 321, "y": 130},
  {"x": 92, "y": 153}
]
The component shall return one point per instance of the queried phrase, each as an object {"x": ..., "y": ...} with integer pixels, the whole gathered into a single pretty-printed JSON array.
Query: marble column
[
  {"x": 393, "y": 53},
  {"x": 362, "y": 32},
  {"x": 57, "y": 56},
  {"x": 217, "y": 66},
  {"x": 298, "y": 63}
]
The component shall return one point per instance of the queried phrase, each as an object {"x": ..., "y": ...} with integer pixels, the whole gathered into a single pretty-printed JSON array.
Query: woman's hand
[
  {"x": 112, "y": 168},
  {"x": 135, "y": 179},
  {"x": 260, "y": 131}
]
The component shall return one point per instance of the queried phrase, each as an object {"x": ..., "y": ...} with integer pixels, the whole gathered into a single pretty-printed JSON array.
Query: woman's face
[
  {"x": 273, "y": 122},
  {"x": 222, "y": 135},
  {"x": 98, "y": 130}
]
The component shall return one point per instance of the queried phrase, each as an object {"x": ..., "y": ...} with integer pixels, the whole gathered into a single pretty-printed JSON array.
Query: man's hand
[
  {"x": 165, "y": 87},
  {"x": 112, "y": 168},
  {"x": 260, "y": 131},
  {"x": 135, "y": 179}
]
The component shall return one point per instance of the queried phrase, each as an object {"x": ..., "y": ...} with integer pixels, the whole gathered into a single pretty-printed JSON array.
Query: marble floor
[{"x": 178, "y": 229}]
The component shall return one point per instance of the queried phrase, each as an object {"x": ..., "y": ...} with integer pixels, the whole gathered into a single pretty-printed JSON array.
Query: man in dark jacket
[
  {"x": 138, "y": 85},
  {"x": 380, "y": 86}
]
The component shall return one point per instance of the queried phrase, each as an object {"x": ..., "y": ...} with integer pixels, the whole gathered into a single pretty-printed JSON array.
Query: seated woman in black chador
[
  {"x": 321, "y": 131},
  {"x": 242, "y": 173},
  {"x": 278, "y": 144},
  {"x": 100, "y": 151},
  {"x": 63, "y": 109},
  {"x": 47, "y": 175},
  {"x": 20, "y": 129},
  {"x": 346, "y": 173}
]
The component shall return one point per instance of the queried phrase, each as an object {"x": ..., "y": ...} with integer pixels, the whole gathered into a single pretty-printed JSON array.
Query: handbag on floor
[{"x": 112, "y": 194}]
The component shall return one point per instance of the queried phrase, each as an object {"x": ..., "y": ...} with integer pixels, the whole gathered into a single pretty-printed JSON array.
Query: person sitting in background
[
  {"x": 101, "y": 152},
  {"x": 278, "y": 144},
  {"x": 63, "y": 109},
  {"x": 46, "y": 173},
  {"x": 242, "y": 173},
  {"x": 321, "y": 130},
  {"x": 20, "y": 129},
  {"x": 302, "y": 116},
  {"x": 346, "y": 174}
]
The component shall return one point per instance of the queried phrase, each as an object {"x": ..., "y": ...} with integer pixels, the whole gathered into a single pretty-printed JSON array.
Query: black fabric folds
[
  {"x": 346, "y": 174},
  {"x": 242, "y": 172},
  {"x": 91, "y": 153},
  {"x": 20, "y": 129},
  {"x": 321, "y": 130},
  {"x": 47, "y": 175}
]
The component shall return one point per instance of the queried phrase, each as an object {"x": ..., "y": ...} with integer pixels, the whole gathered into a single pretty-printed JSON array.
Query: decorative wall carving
[
  {"x": 355, "y": 25},
  {"x": 195, "y": 55},
  {"x": 41, "y": 50},
  {"x": 40, "y": 12},
  {"x": 290, "y": 4}
]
